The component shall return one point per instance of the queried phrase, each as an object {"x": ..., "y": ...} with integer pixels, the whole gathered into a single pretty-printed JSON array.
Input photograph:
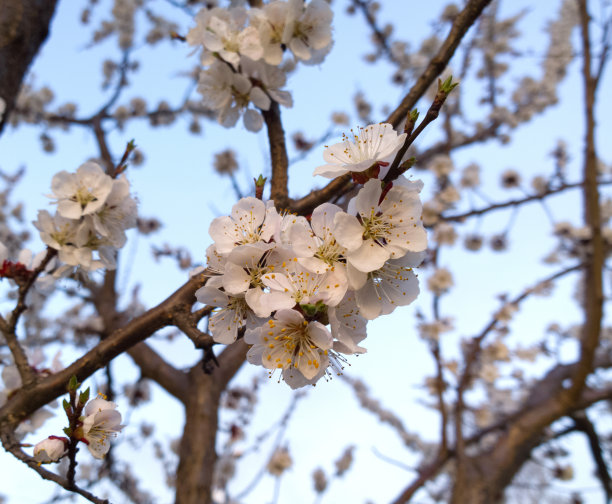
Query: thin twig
[
  {"x": 11, "y": 445},
  {"x": 515, "y": 202}
]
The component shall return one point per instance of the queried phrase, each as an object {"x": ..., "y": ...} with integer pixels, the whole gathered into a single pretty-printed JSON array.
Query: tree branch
[
  {"x": 279, "y": 191},
  {"x": 24, "y": 26},
  {"x": 154, "y": 367},
  {"x": 464, "y": 20},
  {"x": 584, "y": 425},
  {"x": 27, "y": 400},
  {"x": 12, "y": 446}
]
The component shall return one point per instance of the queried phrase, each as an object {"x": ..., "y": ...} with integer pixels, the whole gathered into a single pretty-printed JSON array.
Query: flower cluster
[
  {"x": 242, "y": 50},
  {"x": 304, "y": 289},
  {"x": 93, "y": 212}
]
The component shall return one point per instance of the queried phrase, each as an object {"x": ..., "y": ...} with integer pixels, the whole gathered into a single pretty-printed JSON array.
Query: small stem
[
  {"x": 432, "y": 114},
  {"x": 279, "y": 191}
]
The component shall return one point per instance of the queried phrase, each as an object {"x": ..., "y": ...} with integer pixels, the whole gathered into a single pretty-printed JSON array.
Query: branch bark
[
  {"x": 28, "y": 399},
  {"x": 194, "y": 477},
  {"x": 279, "y": 191},
  {"x": 24, "y": 26}
]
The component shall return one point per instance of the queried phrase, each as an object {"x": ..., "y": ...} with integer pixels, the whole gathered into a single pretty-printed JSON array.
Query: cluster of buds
[{"x": 93, "y": 422}]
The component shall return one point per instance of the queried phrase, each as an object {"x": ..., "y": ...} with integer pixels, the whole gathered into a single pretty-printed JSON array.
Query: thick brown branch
[
  {"x": 337, "y": 187},
  {"x": 27, "y": 400},
  {"x": 593, "y": 274},
  {"x": 9, "y": 328},
  {"x": 155, "y": 368},
  {"x": 197, "y": 451},
  {"x": 24, "y": 26}
]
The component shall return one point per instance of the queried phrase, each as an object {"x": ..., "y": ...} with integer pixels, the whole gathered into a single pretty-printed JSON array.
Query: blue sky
[{"x": 177, "y": 185}]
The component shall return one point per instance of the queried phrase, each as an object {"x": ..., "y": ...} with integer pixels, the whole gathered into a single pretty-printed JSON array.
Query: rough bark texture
[
  {"x": 197, "y": 450},
  {"x": 194, "y": 476},
  {"x": 24, "y": 26}
]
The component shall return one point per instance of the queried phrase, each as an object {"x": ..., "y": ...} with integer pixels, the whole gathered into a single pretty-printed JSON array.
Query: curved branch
[
  {"x": 584, "y": 425},
  {"x": 12, "y": 445},
  {"x": 154, "y": 367},
  {"x": 27, "y": 400}
]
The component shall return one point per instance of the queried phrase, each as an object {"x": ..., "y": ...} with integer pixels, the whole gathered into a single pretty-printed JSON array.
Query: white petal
[
  {"x": 369, "y": 257},
  {"x": 259, "y": 98},
  {"x": 253, "y": 121},
  {"x": 211, "y": 296},
  {"x": 348, "y": 231},
  {"x": 235, "y": 280}
]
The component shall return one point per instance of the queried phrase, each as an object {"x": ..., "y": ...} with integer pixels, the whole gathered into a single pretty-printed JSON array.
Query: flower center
[
  {"x": 83, "y": 196},
  {"x": 376, "y": 227}
]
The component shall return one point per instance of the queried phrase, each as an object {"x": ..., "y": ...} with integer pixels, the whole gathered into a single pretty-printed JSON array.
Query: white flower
[
  {"x": 270, "y": 22},
  {"x": 233, "y": 315},
  {"x": 289, "y": 343},
  {"x": 308, "y": 28},
  {"x": 117, "y": 214},
  {"x": 445, "y": 234},
  {"x": 101, "y": 423},
  {"x": 223, "y": 36},
  {"x": 432, "y": 331},
  {"x": 316, "y": 247},
  {"x": 291, "y": 283},
  {"x": 441, "y": 165},
  {"x": 379, "y": 292},
  {"x": 71, "y": 238},
  {"x": 50, "y": 450},
  {"x": 376, "y": 143},
  {"x": 229, "y": 93},
  {"x": 440, "y": 282},
  {"x": 81, "y": 193},
  {"x": 270, "y": 79},
  {"x": 287, "y": 222},
  {"x": 381, "y": 231},
  {"x": 222, "y": 31},
  {"x": 489, "y": 372},
  {"x": 250, "y": 222},
  {"x": 244, "y": 270},
  {"x": 348, "y": 326}
]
